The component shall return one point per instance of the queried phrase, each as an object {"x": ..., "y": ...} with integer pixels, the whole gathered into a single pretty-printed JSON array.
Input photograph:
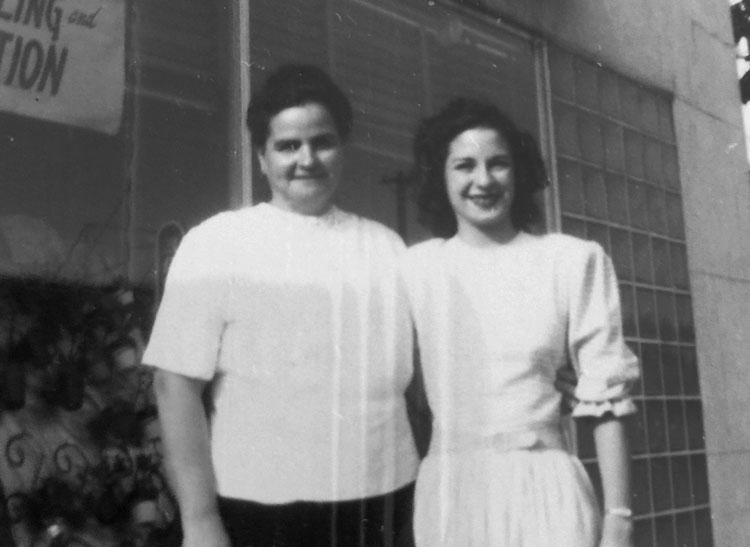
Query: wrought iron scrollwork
[{"x": 71, "y": 460}]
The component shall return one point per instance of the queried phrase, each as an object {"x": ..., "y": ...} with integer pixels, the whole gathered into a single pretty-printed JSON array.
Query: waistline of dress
[{"x": 546, "y": 436}]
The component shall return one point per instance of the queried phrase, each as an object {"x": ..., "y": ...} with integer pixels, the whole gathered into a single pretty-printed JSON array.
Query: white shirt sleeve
[
  {"x": 189, "y": 323},
  {"x": 606, "y": 367}
]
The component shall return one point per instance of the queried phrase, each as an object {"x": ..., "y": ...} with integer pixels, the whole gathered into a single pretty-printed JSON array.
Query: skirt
[
  {"x": 520, "y": 498},
  {"x": 380, "y": 521}
]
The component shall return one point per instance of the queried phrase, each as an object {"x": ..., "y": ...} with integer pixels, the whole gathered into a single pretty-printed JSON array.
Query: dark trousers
[{"x": 381, "y": 521}]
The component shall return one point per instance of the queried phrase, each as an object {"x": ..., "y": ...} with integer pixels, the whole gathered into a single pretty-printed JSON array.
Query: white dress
[{"x": 493, "y": 326}]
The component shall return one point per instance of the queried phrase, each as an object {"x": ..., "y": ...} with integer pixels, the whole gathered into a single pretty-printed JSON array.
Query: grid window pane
[
  {"x": 566, "y": 130},
  {"x": 642, "y": 256},
  {"x": 703, "y": 529},
  {"x": 594, "y": 194},
  {"x": 661, "y": 486},
  {"x": 638, "y": 204},
  {"x": 662, "y": 262},
  {"x": 619, "y": 183},
  {"x": 574, "y": 227},
  {"x": 676, "y": 429},
  {"x": 699, "y": 478},
  {"x": 590, "y": 131},
  {"x": 627, "y": 305},
  {"x": 613, "y": 147},
  {"x": 571, "y": 187},
  {"x": 622, "y": 253},
  {"x": 665, "y": 531},
  {"x": 634, "y": 154},
  {"x": 650, "y": 359},
  {"x": 617, "y": 198},
  {"x": 666, "y": 312},
  {"x": 685, "y": 528},
  {"x": 637, "y": 434},
  {"x": 653, "y": 163},
  {"x": 643, "y": 533},
  {"x": 670, "y": 370},
  {"x": 679, "y": 267},
  {"x": 599, "y": 233},
  {"x": 641, "y": 489},
  {"x": 646, "y": 313},
  {"x": 685, "y": 318},
  {"x": 689, "y": 369},
  {"x": 656, "y": 426},
  {"x": 681, "y": 481},
  {"x": 694, "y": 421},
  {"x": 657, "y": 220}
]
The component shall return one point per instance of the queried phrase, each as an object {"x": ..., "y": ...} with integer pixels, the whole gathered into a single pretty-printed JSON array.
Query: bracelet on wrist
[{"x": 622, "y": 512}]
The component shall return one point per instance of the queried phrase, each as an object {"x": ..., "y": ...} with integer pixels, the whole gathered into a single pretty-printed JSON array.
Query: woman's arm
[
  {"x": 613, "y": 453},
  {"x": 184, "y": 430}
]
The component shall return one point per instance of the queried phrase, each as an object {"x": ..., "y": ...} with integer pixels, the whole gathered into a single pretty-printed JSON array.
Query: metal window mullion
[{"x": 553, "y": 211}]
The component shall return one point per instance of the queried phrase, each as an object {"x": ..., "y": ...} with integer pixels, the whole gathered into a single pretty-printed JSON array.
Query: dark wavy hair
[
  {"x": 295, "y": 85},
  {"x": 431, "y": 143}
]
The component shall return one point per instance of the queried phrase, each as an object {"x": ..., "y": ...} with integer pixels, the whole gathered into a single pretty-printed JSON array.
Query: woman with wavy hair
[{"x": 498, "y": 312}]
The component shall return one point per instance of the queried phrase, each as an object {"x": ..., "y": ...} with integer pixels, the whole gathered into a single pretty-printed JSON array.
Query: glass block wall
[{"x": 619, "y": 185}]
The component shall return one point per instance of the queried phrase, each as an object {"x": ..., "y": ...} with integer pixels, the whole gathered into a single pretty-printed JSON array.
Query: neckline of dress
[
  {"x": 488, "y": 250},
  {"x": 330, "y": 218}
]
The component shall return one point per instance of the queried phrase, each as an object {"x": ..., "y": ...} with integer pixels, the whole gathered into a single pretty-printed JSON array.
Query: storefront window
[
  {"x": 82, "y": 204},
  {"x": 62, "y": 207},
  {"x": 398, "y": 61},
  {"x": 90, "y": 215}
]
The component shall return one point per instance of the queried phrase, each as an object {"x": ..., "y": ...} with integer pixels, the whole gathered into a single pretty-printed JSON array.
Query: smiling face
[
  {"x": 480, "y": 182},
  {"x": 302, "y": 159}
]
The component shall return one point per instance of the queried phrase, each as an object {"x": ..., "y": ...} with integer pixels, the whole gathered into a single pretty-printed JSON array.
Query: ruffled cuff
[{"x": 597, "y": 409}]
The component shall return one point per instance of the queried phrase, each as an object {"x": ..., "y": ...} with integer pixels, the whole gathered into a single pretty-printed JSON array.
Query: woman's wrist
[
  {"x": 208, "y": 517},
  {"x": 623, "y": 512},
  {"x": 617, "y": 530}
]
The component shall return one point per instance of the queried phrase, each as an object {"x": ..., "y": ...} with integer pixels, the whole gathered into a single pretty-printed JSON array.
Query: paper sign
[{"x": 64, "y": 61}]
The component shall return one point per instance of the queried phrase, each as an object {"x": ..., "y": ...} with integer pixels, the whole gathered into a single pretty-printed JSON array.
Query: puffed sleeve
[
  {"x": 190, "y": 321},
  {"x": 606, "y": 367}
]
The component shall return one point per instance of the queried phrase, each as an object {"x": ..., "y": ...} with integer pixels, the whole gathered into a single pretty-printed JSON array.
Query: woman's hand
[
  {"x": 617, "y": 531},
  {"x": 207, "y": 532}
]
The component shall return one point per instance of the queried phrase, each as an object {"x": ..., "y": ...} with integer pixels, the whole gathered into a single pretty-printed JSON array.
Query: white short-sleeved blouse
[
  {"x": 304, "y": 325},
  {"x": 495, "y": 324}
]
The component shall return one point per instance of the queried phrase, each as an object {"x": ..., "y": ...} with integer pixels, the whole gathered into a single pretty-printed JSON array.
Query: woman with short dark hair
[
  {"x": 295, "y": 311},
  {"x": 294, "y": 85}
]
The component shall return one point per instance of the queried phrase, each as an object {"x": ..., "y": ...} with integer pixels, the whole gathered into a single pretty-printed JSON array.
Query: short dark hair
[
  {"x": 295, "y": 85},
  {"x": 431, "y": 143}
]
